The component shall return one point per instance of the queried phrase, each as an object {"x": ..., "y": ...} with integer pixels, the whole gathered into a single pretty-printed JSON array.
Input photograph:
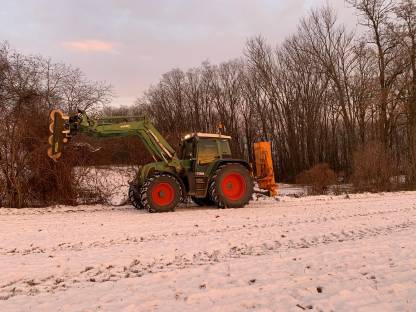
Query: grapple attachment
[
  {"x": 59, "y": 130},
  {"x": 264, "y": 168}
]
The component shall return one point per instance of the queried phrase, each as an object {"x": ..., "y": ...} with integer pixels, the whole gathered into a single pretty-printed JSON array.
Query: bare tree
[
  {"x": 377, "y": 17},
  {"x": 405, "y": 31},
  {"x": 29, "y": 88}
]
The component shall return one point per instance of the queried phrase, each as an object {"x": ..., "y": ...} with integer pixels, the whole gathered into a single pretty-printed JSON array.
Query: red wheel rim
[
  {"x": 233, "y": 186},
  {"x": 163, "y": 194}
]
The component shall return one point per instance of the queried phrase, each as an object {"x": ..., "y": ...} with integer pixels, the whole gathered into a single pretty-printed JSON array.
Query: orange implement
[{"x": 264, "y": 167}]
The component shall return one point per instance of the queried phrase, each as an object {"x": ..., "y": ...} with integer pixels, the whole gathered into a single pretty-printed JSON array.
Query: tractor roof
[{"x": 205, "y": 135}]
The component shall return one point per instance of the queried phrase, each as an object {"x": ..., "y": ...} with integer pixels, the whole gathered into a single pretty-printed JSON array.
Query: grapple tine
[{"x": 59, "y": 133}]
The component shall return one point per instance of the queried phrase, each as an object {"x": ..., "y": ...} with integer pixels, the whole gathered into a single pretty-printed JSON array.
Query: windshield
[{"x": 187, "y": 150}]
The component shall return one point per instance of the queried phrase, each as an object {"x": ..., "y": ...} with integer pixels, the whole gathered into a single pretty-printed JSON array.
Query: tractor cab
[
  {"x": 201, "y": 154},
  {"x": 205, "y": 148}
]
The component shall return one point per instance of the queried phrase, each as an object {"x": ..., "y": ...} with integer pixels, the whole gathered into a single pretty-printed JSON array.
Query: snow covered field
[{"x": 311, "y": 253}]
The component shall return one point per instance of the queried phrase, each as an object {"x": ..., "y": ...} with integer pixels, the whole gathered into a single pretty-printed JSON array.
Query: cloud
[
  {"x": 90, "y": 45},
  {"x": 131, "y": 43}
]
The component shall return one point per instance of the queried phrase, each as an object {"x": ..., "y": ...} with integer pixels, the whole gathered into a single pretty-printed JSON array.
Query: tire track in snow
[
  {"x": 58, "y": 210},
  {"x": 138, "y": 267},
  {"x": 79, "y": 246}
]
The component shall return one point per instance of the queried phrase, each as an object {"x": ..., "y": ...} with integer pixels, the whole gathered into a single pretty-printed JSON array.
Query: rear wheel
[
  {"x": 161, "y": 193},
  {"x": 134, "y": 197},
  {"x": 231, "y": 186}
]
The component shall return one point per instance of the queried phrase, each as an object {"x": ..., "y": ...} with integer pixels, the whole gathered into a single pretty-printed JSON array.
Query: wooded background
[{"x": 327, "y": 94}]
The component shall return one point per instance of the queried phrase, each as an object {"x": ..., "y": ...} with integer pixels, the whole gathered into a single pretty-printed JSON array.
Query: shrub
[
  {"x": 319, "y": 178},
  {"x": 372, "y": 169}
]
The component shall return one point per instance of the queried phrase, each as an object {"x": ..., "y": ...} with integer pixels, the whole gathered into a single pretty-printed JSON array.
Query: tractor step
[{"x": 201, "y": 184}]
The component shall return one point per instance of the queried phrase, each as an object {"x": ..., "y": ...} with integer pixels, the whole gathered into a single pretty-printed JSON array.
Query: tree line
[{"x": 321, "y": 96}]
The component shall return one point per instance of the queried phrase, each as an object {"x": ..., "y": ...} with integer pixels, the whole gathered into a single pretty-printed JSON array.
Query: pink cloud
[{"x": 90, "y": 45}]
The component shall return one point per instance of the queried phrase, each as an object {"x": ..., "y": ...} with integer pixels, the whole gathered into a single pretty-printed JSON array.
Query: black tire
[
  {"x": 231, "y": 186},
  {"x": 207, "y": 201},
  {"x": 134, "y": 197},
  {"x": 161, "y": 193}
]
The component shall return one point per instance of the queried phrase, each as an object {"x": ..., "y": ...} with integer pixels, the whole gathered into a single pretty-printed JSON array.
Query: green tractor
[{"x": 204, "y": 170}]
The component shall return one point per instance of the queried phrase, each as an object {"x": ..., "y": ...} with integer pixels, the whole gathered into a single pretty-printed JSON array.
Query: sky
[{"x": 131, "y": 43}]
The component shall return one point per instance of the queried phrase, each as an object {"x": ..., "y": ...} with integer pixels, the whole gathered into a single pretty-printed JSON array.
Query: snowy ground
[{"x": 295, "y": 254}]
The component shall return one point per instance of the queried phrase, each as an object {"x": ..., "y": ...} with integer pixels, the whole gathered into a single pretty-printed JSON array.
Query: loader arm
[{"x": 63, "y": 127}]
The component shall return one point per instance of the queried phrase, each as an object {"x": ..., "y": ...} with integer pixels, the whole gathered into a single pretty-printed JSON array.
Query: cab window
[
  {"x": 187, "y": 150},
  {"x": 207, "y": 151},
  {"x": 225, "y": 148}
]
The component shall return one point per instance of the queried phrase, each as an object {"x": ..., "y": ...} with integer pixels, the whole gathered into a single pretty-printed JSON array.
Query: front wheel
[
  {"x": 134, "y": 197},
  {"x": 161, "y": 193},
  {"x": 231, "y": 186}
]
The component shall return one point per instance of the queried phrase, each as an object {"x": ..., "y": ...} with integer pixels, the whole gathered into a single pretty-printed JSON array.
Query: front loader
[{"x": 204, "y": 170}]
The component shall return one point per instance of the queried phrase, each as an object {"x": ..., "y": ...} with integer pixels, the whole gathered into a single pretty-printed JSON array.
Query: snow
[
  {"x": 111, "y": 182},
  {"x": 291, "y": 190},
  {"x": 321, "y": 253}
]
